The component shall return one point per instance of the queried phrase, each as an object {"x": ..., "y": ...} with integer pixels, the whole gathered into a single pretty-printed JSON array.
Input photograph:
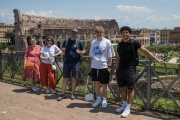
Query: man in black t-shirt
[{"x": 125, "y": 67}]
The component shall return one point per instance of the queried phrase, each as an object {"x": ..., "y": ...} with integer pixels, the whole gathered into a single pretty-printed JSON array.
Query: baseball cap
[{"x": 74, "y": 29}]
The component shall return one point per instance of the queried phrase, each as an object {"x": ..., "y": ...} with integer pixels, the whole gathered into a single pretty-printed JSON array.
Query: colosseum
[{"x": 59, "y": 28}]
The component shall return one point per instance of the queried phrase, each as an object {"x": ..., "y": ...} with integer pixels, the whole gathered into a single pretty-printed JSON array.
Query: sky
[{"x": 151, "y": 14}]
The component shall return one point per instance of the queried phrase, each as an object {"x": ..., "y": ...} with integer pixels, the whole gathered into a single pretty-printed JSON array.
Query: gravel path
[{"x": 20, "y": 103}]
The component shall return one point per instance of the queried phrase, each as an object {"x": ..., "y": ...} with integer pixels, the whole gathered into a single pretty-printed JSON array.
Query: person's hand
[
  {"x": 63, "y": 49},
  {"x": 50, "y": 58},
  {"x": 78, "y": 52},
  {"x": 109, "y": 69},
  {"x": 160, "y": 61}
]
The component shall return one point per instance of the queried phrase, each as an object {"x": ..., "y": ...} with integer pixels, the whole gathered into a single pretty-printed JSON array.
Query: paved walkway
[
  {"x": 20, "y": 103},
  {"x": 173, "y": 60}
]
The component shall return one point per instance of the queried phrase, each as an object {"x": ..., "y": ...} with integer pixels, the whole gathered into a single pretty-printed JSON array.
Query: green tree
[
  {"x": 3, "y": 45},
  {"x": 10, "y": 35}
]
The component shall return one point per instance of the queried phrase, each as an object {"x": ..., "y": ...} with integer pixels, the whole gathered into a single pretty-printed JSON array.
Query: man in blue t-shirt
[{"x": 72, "y": 49}]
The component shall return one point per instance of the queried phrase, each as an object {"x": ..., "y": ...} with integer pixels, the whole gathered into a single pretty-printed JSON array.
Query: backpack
[
  {"x": 135, "y": 53},
  {"x": 77, "y": 41}
]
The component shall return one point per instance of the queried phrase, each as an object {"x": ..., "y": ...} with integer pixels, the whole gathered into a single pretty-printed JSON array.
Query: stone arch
[
  {"x": 58, "y": 44},
  {"x": 28, "y": 40}
]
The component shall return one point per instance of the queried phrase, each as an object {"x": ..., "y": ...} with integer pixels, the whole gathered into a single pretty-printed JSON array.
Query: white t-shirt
[
  {"x": 101, "y": 51},
  {"x": 48, "y": 52}
]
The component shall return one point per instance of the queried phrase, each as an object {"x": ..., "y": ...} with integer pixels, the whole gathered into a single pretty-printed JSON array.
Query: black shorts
[
  {"x": 126, "y": 77},
  {"x": 101, "y": 75}
]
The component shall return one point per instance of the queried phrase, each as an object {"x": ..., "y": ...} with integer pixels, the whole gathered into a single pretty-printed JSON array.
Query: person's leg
[
  {"x": 104, "y": 77},
  {"x": 52, "y": 82},
  {"x": 75, "y": 69},
  {"x": 44, "y": 76},
  {"x": 123, "y": 85},
  {"x": 73, "y": 85},
  {"x": 130, "y": 85},
  {"x": 66, "y": 76},
  {"x": 97, "y": 87},
  {"x": 64, "y": 84}
]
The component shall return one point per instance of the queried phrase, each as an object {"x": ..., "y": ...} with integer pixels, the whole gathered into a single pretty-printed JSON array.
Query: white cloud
[
  {"x": 6, "y": 17},
  {"x": 133, "y": 9},
  {"x": 46, "y": 14},
  {"x": 124, "y": 19},
  {"x": 176, "y": 17},
  {"x": 152, "y": 18},
  {"x": 97, "y": 17}
]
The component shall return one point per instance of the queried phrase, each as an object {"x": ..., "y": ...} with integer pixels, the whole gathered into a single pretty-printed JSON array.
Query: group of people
[{"x": 41, "y": 60}]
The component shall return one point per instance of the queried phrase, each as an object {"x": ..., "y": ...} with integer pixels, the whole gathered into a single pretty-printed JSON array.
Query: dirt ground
[{"x": 20, "y": 103}]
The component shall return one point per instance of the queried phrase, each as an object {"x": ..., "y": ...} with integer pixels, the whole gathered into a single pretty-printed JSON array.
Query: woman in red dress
[{"x": 32, "y": 55}]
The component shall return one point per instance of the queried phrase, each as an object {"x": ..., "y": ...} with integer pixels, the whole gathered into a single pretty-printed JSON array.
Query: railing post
[
  {"x": 0, "y": 65},
  {"x": 148, "y": 85}
]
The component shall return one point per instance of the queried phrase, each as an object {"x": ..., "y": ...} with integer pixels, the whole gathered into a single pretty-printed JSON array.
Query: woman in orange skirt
[{"x": 31, "y": 56}]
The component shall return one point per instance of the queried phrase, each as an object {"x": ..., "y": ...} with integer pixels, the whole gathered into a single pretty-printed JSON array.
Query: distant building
[
  {"x": 174, "y": 35},
  {"x": 164, "y": 36},
  {"x": 3, "y": 29}
]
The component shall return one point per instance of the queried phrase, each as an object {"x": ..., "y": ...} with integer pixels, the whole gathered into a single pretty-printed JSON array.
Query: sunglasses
[{"x": 49, "y": 40}]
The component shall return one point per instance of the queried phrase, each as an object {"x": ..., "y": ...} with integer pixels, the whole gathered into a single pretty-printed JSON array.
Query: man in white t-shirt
[{"x": 101, "y": 53}]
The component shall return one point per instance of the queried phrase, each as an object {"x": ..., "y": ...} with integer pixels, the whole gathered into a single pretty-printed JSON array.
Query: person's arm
[
  {"x": 109, "y": 64},
  {"x": 149, "y": 54},
  {"x": 42, "y": 57},
  {"x": 117, "y": 60},
  {"x": 63, "y": 49},
  {"x": 81, "y": 50},
  {"x": 58, "y": 53},
  {"x": 25, "y": 57}
]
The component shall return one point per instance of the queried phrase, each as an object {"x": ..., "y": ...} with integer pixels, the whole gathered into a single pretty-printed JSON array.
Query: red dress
[{"x": 32, "y": 55}]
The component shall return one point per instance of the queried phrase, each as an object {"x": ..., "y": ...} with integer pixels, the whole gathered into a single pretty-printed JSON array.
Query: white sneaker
[
  {"x": 96, "y": 103},
  {"x": 125, "y": 113},
  {"x": 34, "y": 89},
  {"x": 104, "y": 104},
  {"x": 120, "y": 109},
  {"x": 52, "y": 91},
  {"x": 47, "y": 91}
]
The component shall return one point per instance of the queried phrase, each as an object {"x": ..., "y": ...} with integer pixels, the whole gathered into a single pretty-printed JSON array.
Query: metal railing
[{"x": 157, "y": 86}]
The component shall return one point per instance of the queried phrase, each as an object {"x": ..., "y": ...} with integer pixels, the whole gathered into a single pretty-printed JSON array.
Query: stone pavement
[
  {"x": 173, "y": 60},
  {"x": 20, "y": 103}
]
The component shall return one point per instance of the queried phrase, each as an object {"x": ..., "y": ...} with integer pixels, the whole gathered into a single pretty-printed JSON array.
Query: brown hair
[
  {"x": 30, "y": 38},
  {"x": 99, "y": 29},
  {"x": 51, "y": 38}
]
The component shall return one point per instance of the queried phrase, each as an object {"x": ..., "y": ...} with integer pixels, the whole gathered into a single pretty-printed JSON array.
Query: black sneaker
[{"x": 61, "y": 97}]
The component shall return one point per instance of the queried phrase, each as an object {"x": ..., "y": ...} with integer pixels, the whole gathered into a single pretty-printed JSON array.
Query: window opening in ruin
[{"x": 58, "y": 44}]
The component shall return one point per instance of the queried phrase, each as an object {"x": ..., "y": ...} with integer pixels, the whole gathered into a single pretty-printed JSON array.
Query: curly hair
[
  {"x": 125, "y": 28},
  {"x": 99, "y": 29}
]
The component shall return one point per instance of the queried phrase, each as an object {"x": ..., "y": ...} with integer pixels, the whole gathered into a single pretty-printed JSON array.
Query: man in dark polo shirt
[
  {"x": 72, "y": 48},
  {"x": 126, "y": 63}
]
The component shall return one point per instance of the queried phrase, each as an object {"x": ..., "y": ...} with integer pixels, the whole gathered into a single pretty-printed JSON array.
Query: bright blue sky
[{"x": 134, "y": 13}]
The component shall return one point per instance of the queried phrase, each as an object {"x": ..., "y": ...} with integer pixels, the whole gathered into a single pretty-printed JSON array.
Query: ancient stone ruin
[{"x": 59, "y": 28}]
